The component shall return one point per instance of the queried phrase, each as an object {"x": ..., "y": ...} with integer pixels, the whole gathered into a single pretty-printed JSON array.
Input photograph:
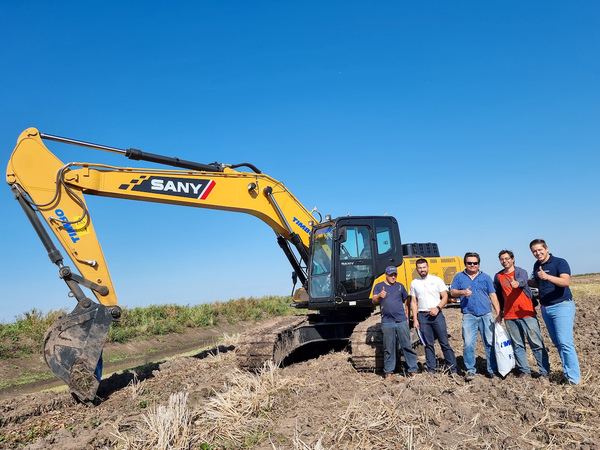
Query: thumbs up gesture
[
  {"x": 382, "y": 294},
  {"x": 468, "y": 292},
  {"x": 514, "y": 283},
  {"x": 541, "y": 274}
]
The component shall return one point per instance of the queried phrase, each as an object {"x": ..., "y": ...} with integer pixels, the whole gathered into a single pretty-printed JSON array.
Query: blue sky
[{"x": 474, "y": 123}]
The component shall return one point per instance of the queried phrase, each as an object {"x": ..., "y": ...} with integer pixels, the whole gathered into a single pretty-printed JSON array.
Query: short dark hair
[
  {"x": 421, "y": 261},
  {"x": 502, "y": 252},
  {"x": 471, "y": 255},
  {"x": 538, "y": 241}
]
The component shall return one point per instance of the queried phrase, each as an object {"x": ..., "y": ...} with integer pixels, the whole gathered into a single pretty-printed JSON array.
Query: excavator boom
[{"x": 52, "y": 194}]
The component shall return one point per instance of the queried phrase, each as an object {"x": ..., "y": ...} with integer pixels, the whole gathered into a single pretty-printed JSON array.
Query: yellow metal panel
[
  {"x": 35, "y": 169},
  {"x": 444, "y": 267}
]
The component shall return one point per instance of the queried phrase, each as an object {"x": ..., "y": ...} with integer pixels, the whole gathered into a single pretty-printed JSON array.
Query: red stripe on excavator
[{"x": 207, "y": 190}]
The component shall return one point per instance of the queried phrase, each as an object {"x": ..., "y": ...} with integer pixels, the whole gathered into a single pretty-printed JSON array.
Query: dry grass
[
  {"x": 163, "y": 427},
  {"x": 244, "y": 406},
  {"x": 585, "y": 289},
  {"x": 136, "y": 387},
  {"x": 229, "y": 339},
  {"x": 367, "y": 425}
]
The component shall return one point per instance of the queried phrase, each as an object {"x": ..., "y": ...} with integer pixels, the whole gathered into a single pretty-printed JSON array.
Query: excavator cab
[{"x": 347, "y": 255}]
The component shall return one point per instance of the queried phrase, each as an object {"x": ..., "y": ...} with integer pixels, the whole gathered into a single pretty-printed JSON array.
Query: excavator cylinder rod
[
  {"x": 138, "y": 155},
  {"x": 65, "y": 140}
]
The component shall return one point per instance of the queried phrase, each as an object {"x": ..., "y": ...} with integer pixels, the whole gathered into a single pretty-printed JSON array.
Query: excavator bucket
[{"x": 73, "y": 345}]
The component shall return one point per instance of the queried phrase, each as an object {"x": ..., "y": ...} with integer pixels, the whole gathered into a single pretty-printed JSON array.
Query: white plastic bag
[{"x": 505, "y": 356}]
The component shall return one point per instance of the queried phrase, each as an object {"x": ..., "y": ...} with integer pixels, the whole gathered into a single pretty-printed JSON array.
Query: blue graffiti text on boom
[
  {"x": 67, "y": 226},
  {"x": 301, "y": 225}
]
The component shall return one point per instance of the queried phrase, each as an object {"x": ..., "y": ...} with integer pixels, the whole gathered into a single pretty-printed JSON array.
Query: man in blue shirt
[
  {"x": 552, "y": 276},
  {"x": 391, "y": 296},
  {"x": 477, "y": 296}
]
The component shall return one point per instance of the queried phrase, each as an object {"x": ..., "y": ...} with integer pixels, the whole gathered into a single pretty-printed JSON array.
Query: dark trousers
[{"x": 432, "y": 328}]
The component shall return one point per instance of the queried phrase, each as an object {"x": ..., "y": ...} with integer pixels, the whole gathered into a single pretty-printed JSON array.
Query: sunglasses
[{"x": 472, "y": 264}]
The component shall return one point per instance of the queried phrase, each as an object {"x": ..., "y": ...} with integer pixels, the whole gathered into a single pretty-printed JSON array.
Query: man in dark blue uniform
[
  {"x": 391, "y": 296},
  {"x": 552, "y": 276}
]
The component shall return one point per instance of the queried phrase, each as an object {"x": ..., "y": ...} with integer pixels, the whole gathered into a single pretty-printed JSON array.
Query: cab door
[{"x": 365, "y": 246}]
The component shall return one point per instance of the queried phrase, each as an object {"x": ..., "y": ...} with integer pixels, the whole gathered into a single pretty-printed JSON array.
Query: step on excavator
[{"x": 336, "y": 260}]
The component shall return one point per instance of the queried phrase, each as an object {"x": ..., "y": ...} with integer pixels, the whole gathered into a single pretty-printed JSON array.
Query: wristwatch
[{"x": 439, "y": 309}]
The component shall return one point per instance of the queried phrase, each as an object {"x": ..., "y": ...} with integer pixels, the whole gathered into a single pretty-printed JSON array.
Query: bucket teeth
[{"x": 73, "y": 345}]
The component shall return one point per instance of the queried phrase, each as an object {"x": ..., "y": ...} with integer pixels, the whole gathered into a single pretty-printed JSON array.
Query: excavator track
[
  {"x": 367, "y": 344},
  {"x": 273, "y": 340}
]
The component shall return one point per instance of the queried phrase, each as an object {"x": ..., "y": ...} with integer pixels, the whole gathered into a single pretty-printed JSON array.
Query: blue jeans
[
  {"x": 485, "y": 325},
  {"x": 518, "y": 330},
  {"x": 559, "y": 320},
  {"x": 98, "y": 371},
  {"x": 433, "y": 327},
  {"x": 400, "y": 331}
]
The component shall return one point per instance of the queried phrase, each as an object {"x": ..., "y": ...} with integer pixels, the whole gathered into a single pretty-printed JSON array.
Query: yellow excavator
[{"x": 337, "y": 261}]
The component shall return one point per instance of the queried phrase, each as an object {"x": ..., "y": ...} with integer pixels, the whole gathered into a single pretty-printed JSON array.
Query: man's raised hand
[{"x": 514, "y": 283}]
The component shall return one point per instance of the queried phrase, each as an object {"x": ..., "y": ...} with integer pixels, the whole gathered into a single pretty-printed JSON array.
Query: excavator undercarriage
[{"x": 278, "y": 338}]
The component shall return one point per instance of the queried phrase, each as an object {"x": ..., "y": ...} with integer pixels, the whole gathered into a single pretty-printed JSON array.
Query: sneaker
[{"x": 469, "y": 376}]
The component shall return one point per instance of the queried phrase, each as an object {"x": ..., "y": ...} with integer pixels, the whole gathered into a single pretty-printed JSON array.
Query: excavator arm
[{"x": 48, "y": 188}]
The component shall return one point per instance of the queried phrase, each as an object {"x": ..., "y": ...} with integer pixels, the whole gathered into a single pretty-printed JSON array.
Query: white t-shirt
[{"x": 427, "y": 291}]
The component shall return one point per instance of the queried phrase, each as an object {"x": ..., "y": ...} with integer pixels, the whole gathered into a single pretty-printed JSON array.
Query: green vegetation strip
[{"x": 25, "y": 336}]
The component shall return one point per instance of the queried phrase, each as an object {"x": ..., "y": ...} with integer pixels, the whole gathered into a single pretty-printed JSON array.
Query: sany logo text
[{"x": 174, "y": 186}]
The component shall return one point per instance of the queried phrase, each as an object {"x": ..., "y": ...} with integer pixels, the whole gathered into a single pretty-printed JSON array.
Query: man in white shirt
[{"x": 429, "y": 295}]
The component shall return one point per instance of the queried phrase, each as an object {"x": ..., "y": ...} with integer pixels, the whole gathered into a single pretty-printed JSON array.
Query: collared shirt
[
  {"x": 427, "y": 291},
  {"x": 551, "y": 294},
  {"x": 481, "y": 287}
]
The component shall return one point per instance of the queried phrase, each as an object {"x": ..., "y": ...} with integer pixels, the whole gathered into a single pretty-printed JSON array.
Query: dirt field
[{"x": 205, "y": 401}]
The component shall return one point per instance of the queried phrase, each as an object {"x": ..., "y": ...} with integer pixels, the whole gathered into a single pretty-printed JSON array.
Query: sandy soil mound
[{"x": 206, "y": 401}]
